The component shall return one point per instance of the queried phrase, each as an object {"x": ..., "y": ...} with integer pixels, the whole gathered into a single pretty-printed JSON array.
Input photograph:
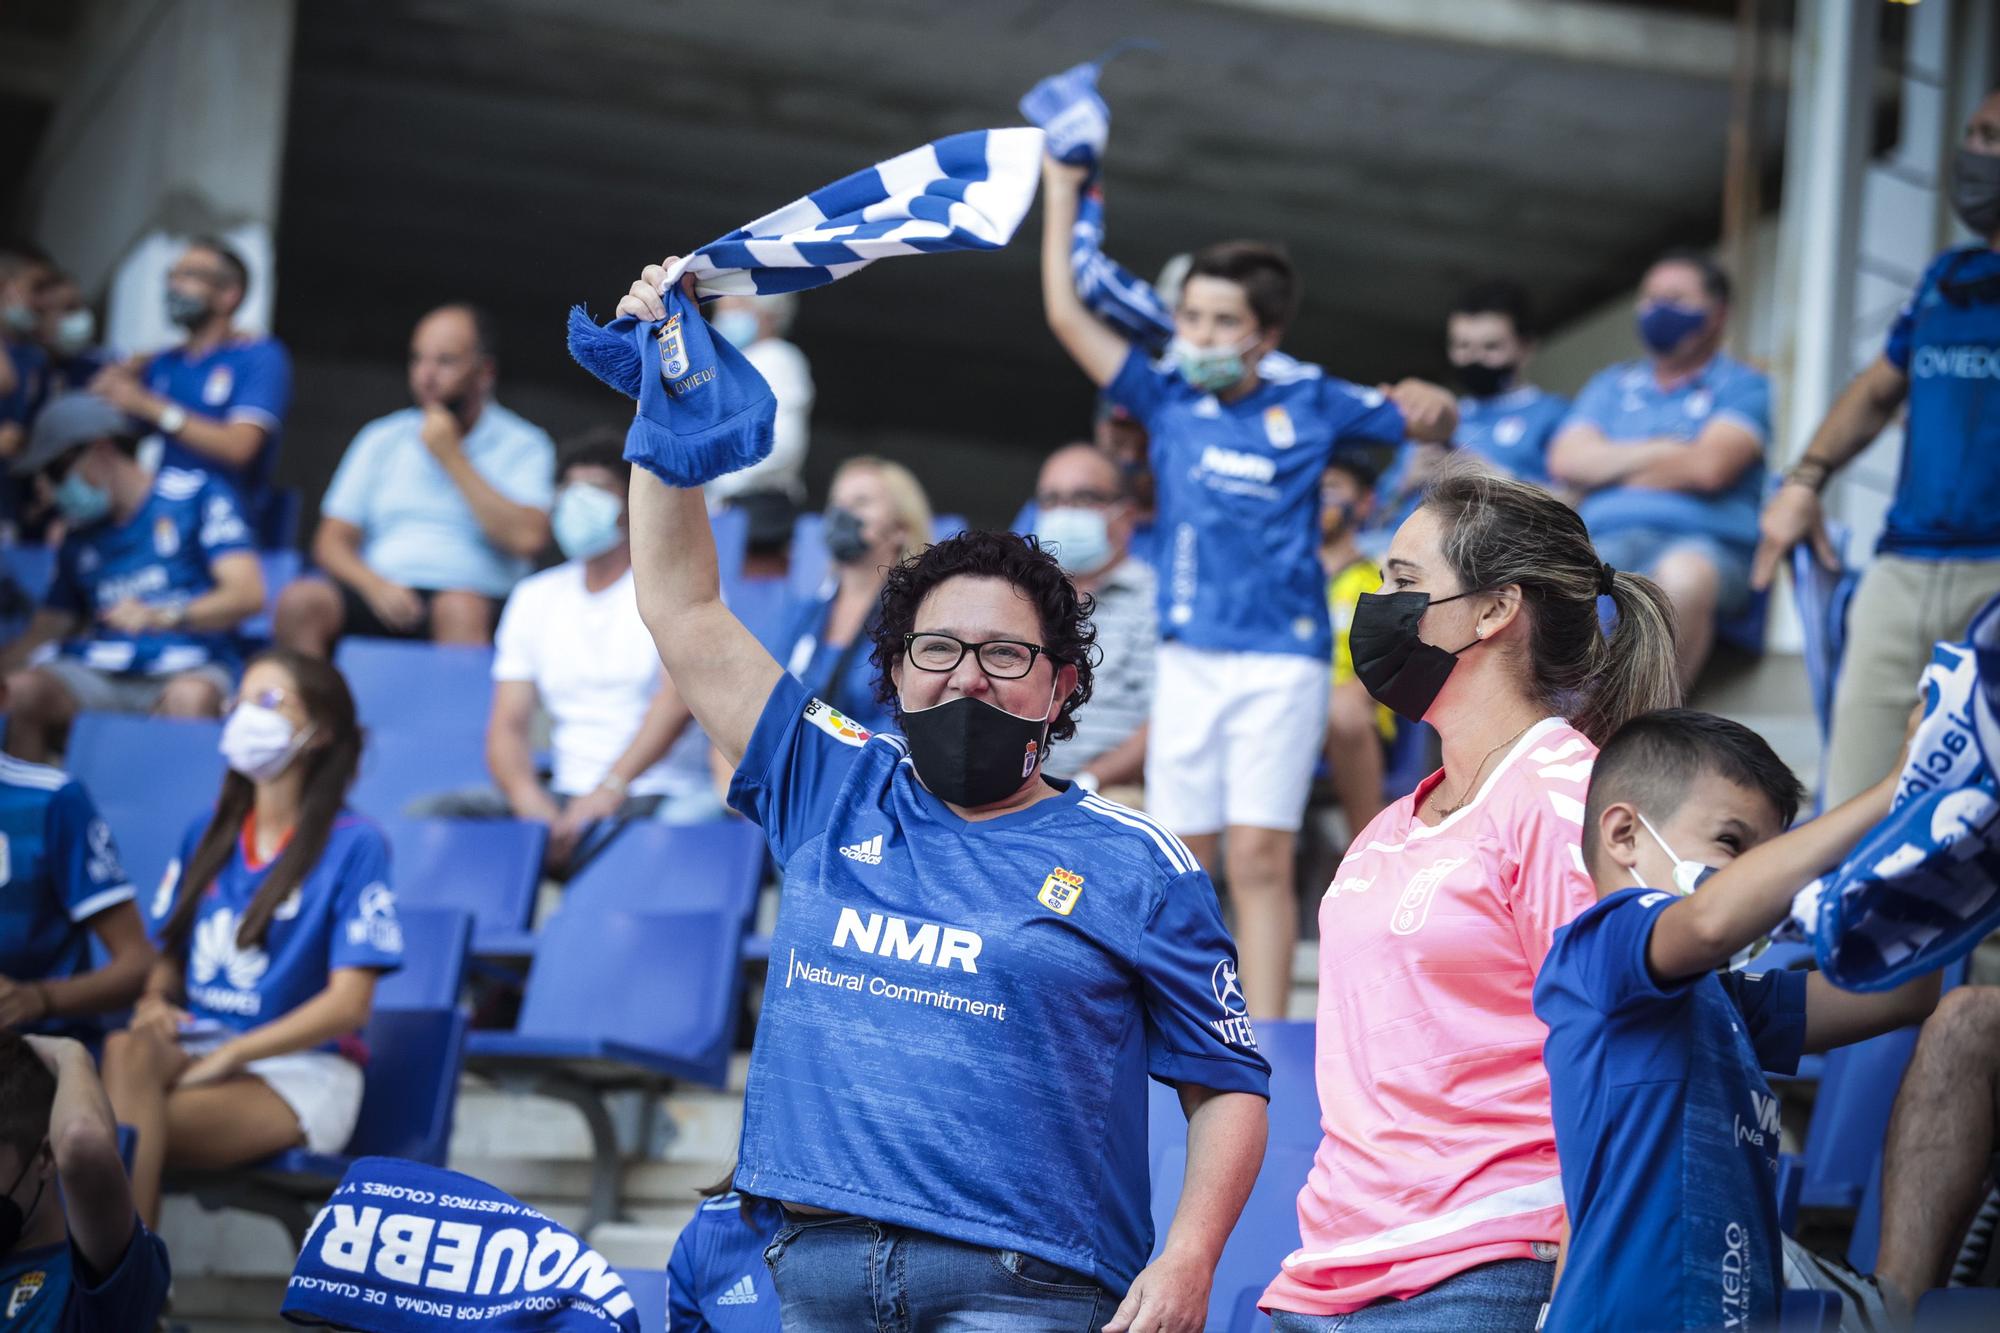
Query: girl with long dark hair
[{"x": 273, "y": 927}]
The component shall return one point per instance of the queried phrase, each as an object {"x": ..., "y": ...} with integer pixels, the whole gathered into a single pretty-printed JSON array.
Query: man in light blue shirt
[
  {"x": 436, "y": 510},
  {"x": 1668, "y": 453}
]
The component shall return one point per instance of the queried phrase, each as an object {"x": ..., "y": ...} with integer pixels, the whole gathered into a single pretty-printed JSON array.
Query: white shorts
[
  {"x": 1234, "y": 738},
  {"x": 322, "y": 1088}
]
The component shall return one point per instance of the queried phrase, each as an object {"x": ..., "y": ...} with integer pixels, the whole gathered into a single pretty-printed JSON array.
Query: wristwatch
[
  {"x": 173, "y": 419},
  {"x": 1809, "y": 473},
  {"x": 614, "y": 784}
]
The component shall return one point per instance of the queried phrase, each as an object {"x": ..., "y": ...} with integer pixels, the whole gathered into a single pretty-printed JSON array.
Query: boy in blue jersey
[
  {"x": 219, "y": 399},
  {"x": 74, "y": 1256},
  {"x": 155, "y": 574},
  {"x": 717, "y": 1281},
  {"x": 1665, "y": 1127},
  {"x": 1939, "y": 558},
  {"x": 60, "y": 883},
  {"x": 1239, "y": 433},
  {"x": 1668, "y": 454}
]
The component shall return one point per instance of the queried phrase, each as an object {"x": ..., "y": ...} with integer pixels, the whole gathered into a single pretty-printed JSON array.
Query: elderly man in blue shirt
[
  {"x": 1668, "y": 453},
  {"x": 1939, "y": 557},
  {"x": 435, "y": 511}
]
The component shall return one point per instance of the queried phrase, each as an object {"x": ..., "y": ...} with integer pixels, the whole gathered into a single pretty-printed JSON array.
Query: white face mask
[
  {"x": 1688, "y": 876},
  {"x": 260, "y": 742}
]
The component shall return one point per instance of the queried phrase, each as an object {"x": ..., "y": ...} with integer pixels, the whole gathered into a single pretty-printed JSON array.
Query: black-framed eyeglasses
[{"x": 1002, "y": 659}]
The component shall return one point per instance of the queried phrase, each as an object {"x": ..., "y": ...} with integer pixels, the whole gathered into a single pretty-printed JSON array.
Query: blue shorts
[{"x": 1640, "y": 550}]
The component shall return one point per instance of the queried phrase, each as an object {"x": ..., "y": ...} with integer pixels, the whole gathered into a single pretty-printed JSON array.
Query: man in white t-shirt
[
  {"x": 757, "y": 326},
  {"x": 571, "y": 643}
]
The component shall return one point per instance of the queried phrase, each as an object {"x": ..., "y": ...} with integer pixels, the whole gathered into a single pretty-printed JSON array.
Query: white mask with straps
[{"x": 1688, "y": 876}]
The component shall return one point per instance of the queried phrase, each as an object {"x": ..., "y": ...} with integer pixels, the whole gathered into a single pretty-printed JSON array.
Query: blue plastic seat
[
  {"x": 150, "y": 777},
  {"x": 1959, "y": 1310},
  {"x": 280, "y": 567},
  {"x": 1269, "y": 1227},
  {"x": 621, "y": 999},
  {"x": 425, "y": 688},
  {"x": 436, "y": 941},
  {"x": 32, "y": 567},
  {"x": 1823, "y": 596},
  {"x": 732, "y": 538},
  {"x": 810, "y": 564},
  {"x": 761, "y": 604},
  {"x": 652, "y": 867},
  {"x": 400, "y": 764},
  {"x": 649, "y": 1296},
  {"x": 488, "y": 869},
  {"x": 1809, "y": 1311}
]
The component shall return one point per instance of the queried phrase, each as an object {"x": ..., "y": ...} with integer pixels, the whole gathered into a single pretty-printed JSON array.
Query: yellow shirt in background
[{"x": 1343, "y": 594}]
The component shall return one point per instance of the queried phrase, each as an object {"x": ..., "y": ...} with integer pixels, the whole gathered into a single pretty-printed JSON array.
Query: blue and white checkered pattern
[
  {"x": 964, "y": 192},
  {"x": 1923, "y": 888}
]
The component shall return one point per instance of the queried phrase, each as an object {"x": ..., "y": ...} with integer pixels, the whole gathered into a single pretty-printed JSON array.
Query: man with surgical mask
[
  {"x": 1939, "y": 557},
  {"x": 68, "y": 333},
  {"x": 218, "y": 400},
  {"x": 757, "y": 326},
  {"x": 1085, "y": 515},
  {"x": 1668, "y": 454},
  {"x": 73, "y": 1253}
]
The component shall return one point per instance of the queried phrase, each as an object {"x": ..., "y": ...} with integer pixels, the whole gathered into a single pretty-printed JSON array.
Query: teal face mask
[
  {"x": 80, "y": 502},
  {"x": 1209, "y": 369}
]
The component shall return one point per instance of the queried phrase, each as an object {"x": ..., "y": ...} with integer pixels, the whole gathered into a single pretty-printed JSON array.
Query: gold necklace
[{"x": 1447, "y": 811}]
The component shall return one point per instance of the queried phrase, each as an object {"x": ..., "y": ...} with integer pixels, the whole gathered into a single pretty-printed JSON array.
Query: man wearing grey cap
[{"x": 155, "y": 573}]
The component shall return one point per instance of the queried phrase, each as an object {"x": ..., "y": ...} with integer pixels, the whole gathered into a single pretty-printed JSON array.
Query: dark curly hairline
[{"x": 1067, "y": 632}]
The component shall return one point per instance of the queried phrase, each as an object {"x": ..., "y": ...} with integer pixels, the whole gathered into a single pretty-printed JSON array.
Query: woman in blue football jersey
[
  {"x": 273, "y": 927},
  {"x": 975, "y": 969}
]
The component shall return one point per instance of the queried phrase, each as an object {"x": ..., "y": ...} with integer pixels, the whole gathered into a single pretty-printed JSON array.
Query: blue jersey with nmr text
[
  {"x": 1665, "y": 1128},
  {"x": 1628, "y": 405},
  {"x": 343, "y": 915},
  {"x": 161, "y": 556},
  {"x": 1947, "y": 340},
  {"x": 1237, "y": 493},
  {"x": 50, "y": 1289},
  {"x": 960, "y": 1017},
  {"x": 59, "y": 868},
  {"x": 244, "y": 379},
  {"x": 717, "y": 1281},
  {"x": 1512, "y": 430}
]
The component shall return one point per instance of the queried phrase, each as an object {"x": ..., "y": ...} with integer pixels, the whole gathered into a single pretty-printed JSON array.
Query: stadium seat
[
  {"x": 400, "y": 764},
  {"x": 649, "y": 1296},
  {"x": 31, "y": 567},
  {"x": 436, "y": 941},
  {"x": 1269, "y": 1227},
  {"x": 280, "y": 568},
  {"x": 732, "y": 536},
  {"x": 1959, "y": 1310},
  {"x": 1745, "y": 630},
  {"x": 1408, "y": 760},
  {"x": 650, "y": 867},
  {"x": 620, "y": 999},
  {"x": 1823, "y": 596},
  {"x": 150, "y": 777},
  {"x": 810, "y": 564},
  {"x": 761, "y": 604},
  {"x": 1809, "y": 1312},
  {"x": 425, "y": 688},
  {"x": 487, "y": 868}
]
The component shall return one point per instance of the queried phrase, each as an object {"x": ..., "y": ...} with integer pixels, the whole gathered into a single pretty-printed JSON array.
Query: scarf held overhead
[{"x": 706, "y": 411}]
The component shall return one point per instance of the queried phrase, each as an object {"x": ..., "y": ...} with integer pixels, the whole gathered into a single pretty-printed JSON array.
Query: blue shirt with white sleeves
[
  {"x": 417, "y": 528},
  {"x": 1666, "y": 1130},
  {"x": 59, "y": 868},
  {"x": 1628, "y": 405},
  {"x": 1947, "y": 340},
  {"x": 243, "y": 379},
  {"x": 1237, "y": 492},
  {"x": 960, "y": 1017}
]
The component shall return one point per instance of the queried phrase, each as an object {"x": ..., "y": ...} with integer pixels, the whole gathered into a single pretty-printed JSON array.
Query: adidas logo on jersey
[
  {"x": 744, "y": 1292},
  {"x": 868, "y": 851}
]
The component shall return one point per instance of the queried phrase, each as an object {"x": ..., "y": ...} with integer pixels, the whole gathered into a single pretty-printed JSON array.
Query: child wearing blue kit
[{"x": 1666, "y": 1129}]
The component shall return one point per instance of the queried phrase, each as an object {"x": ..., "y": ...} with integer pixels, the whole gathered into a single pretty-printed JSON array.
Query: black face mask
[
  {"x": 13, "y": 1217},
  {"x": 973, "y": 753},
  {"x": 1398, "y": 668},
  {"x": 188, "y": 312},
  {"x": 1480, "y": 380},
  {"x": 844, "y": 539},
  {"x": 1975, "y": 190}
]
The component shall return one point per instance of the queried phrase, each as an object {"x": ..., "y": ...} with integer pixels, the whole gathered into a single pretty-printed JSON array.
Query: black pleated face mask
[{"x": 1391, "y": 659}]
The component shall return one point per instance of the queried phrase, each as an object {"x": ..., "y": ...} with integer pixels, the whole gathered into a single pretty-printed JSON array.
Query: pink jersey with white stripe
[{"x": 1440, "y": 1153}]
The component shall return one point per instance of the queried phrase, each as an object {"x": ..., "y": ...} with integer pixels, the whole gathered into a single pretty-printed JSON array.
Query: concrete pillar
[{"x": 171, "y": 123}]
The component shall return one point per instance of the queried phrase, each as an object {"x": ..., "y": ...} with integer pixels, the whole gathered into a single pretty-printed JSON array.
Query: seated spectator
[
  {"x": 154, "y": 574},
  {"x": 571, "y": 644},
  {"x": 717, "y": 1280},
  {"x": 434, "y": 512},
  {"x": 757, "y": 325},
  {"x": 68, "y": 334},
  {"x": 1666, "y": 1130},
  {"x": 767, "y": 543},
  {"x": 1084, "y": 515},
  {"x": 1503, "y": 420},
  {"x": 1356, "y": 726},
  {"x": 64, "y": 884},
  {"x": 24, "y": 276},
  {"x": 1668, "y": 454},
  {"x": 219, "y": 399},
  {"x": 876, "y": 514},
  {"x": 76, "y": 1257},
  {"x": 273, "y": 925}
]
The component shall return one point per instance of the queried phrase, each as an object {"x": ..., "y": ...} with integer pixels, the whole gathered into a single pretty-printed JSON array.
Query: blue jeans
[
  {"x": 1501, "y": 1297},
  {"x": 844, "y": 1274}
]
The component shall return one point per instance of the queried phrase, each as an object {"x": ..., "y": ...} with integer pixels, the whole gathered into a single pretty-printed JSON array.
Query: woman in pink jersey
[{"x": 1434, "y": 1201}]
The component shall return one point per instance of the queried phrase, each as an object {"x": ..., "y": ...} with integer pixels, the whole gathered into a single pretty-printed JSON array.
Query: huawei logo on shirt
[{"x": 216, "y": 953}]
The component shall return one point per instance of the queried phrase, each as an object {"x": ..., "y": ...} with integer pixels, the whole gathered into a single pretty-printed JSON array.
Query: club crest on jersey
[
  {"x": 216, "y": 391},
  {"x": 166, "y": 538},
  {"x": 1509, "y": 430},
  {"x": 673, "y": 351},
  {"x": 26, "y": 1288},
  {"x": 1278, "y": 428},
  {"x": 835, "y": 723},
  {"x": 1029, "y": 757},
  {"x": 1060, "y": 891}
]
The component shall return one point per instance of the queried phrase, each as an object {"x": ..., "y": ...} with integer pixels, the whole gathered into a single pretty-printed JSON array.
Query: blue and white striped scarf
[{"x": 1923, "y": 888}]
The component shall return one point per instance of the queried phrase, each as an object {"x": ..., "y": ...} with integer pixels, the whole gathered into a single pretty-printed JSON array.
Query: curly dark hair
[{"x": 1067, "y": 634}]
